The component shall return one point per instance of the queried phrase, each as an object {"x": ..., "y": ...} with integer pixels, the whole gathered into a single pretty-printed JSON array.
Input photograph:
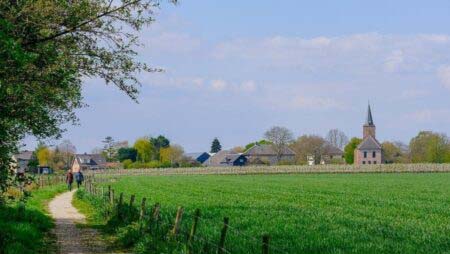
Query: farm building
[
  {"x": 225, "y": 158},
  {"x": 369, "y": 151},
  {"x": 265, "y": 154},
  {"x": 21, "y": 161},
  {"x": 85, "y": 161},
  {"x": 198, "y": 157}
]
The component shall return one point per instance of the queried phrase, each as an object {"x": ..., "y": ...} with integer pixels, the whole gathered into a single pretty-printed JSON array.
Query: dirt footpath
[{"x": 70, "y": 238}]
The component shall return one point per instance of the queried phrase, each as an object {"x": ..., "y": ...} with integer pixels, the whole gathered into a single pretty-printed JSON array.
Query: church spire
[{"x": 369, "y": 120}]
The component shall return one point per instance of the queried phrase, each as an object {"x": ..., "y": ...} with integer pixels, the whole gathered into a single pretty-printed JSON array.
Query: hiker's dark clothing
[
  {"x": 69, "y": 180},
  {"x": 79, "y": 178}
]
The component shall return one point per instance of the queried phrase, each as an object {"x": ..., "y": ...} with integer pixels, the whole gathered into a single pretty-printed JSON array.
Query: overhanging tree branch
[{"x": 73, "y": 29}]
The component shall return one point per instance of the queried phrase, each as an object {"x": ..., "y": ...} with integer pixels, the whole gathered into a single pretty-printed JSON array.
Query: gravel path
[{"x": 70, "y": 238}]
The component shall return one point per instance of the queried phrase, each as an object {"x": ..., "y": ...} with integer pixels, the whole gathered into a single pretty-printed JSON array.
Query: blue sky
[{"x": 233, "y": 69}]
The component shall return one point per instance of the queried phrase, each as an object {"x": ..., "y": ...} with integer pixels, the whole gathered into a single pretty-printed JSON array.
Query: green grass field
[
  {"x": 307, "y": 213},
  {"x": 27, "y": 231}
]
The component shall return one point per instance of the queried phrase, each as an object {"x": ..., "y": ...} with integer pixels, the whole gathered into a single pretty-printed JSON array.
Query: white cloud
[
  {"x": 443, "y": 74},
  {"x": 304, "y": 102},
  {"x": 248, "y": 86},
  {"x": 437, "y": 38},
  {"x": 170, "y": 42},
  {"x": 429, "y": 115},
  {"x": 218, "y": 84},
  {"x": 412, "y": 94},
  {"x": 394, "y": 61},
  {"x": 370, "y": 52}
]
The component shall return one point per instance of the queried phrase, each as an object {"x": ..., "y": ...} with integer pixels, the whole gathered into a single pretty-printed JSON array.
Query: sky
[{"x": 233, "y": 69}]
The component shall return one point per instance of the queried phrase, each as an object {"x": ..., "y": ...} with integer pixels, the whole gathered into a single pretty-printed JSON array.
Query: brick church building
[{"x": 369, "y": 151}]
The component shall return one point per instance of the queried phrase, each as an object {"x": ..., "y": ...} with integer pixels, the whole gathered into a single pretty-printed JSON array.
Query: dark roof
[
  {"x": 369, "y": 143},
  {"x": 332, "y": 150},
  {"x": 231, "y": 158},
  {"x": 222, "y": 158},
  {"x": 266, "y": 150},
  {"x": 217, "y": 158},
  {"x": 90, "y": 159},
  {"x": 369, "y": 120},
  {"x": 24, "y": 155}
]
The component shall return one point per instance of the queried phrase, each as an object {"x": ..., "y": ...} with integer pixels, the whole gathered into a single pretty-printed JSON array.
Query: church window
[
  {"x": 364, "y": 162},
  {"x": 374, "y": 154},
  {"x": 374, "y": 162},
  {"x": 365, "y": 154}
]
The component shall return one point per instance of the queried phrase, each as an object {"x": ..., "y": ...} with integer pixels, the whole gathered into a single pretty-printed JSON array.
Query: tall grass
[{"x": 25, "y": 228}]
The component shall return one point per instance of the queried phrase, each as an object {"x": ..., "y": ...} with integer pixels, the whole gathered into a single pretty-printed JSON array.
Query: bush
[{"x": 127, "y": 163}]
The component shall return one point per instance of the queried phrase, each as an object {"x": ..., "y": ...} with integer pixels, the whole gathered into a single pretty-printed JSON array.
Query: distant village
[{"x": 277, "y": 148}]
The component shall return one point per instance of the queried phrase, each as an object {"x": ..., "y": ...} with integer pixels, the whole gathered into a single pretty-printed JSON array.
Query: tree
[
  {"x": 430, "y": 147},
  {"x": 238, "y": 149},
  {"x": 158, "y": 143},
  {"x": 216, "y": 146},
  {"x": 57, "y": 160},
  {"x": 394, "y": 152},
  {"x": 349, "y": 150},
  {"x": 109, "y": 148},
  {"x": 280, "y": 137},
  {"x": 309, "y": 145},
  {"x": 68, "y": 151},
  {"x": 43, "y": 154},
  {"x": 337, "y": 138},
  {"x": 127, "y": 153},
  {"x": 261, "y": 142},
  {"x": 172, "y": 154},
  {"x": 47, "y": 48},
  {"x": 33, "y": 164},
  {"x": 144, "y": 149}
]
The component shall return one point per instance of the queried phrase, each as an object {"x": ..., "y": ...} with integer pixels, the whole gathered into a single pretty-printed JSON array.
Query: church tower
[
  {"x": 369, "y": 126},
  {"x": 369, "y": 151}
]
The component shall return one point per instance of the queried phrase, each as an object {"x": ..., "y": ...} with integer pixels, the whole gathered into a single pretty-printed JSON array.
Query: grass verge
[
  {"x": 124, "y": 231},
  {"x": 26, "y": 229}
]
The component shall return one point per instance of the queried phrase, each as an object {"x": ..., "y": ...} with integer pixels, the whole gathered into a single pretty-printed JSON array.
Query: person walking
[
  {"x": 79, "y": 178},
  {"x": 69, "y": 179}
]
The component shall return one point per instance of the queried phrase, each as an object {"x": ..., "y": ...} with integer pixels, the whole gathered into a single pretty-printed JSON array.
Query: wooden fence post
[
  {"x": 176, "y": 226},
  {"x": 119, "y": 206},
  {"x": 111, "y": 197},
  {"x": 142, "y": 213},
  {"x": 223, "y": 234},
  {"x": 193, "y": 230},
  {"x": 265, "y": 244},
  {"x": 132, "y": 200},
  {"x": 156, "y": 210}
]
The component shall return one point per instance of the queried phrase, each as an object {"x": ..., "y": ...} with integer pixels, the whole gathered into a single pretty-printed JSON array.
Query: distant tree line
[
  {"x": 426, "y": 147},
  {"x": 153, "y": 152},
  {"x": 59, "y": 157}
]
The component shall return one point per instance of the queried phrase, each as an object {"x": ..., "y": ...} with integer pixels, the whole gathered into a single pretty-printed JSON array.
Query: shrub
[{"x": 127, "y": 163}]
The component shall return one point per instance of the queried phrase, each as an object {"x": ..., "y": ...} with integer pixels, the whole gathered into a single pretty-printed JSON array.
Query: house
[
  {"x": 21, "y": 161},
  {"x": 330, "y": 155},
  {"x": 225, "y": 158},
  {"x": 369, "y": 151},
  {"x": 85, "y": 161},
  {"x": 198, "y": 157},
  {"x": 235, "y": 160},
  {"x": 266, "y": 154}
]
